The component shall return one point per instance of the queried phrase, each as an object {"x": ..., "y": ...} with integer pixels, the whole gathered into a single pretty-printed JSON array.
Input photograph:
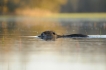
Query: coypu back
[{"x": 76, "y": 35}]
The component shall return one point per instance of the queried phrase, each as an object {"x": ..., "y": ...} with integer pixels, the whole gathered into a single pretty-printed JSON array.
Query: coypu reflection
[{"x": 50, "y": 35}]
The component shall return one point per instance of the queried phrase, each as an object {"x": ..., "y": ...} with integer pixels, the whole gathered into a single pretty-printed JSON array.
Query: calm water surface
[{"x": 29, "y": 53}]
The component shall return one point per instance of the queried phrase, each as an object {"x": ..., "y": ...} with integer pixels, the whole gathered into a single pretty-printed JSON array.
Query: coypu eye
[{"x": 42, "y": 34}]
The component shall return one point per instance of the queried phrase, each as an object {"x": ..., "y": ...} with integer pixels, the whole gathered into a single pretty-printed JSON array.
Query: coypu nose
[{"x": 39, "y": 36}]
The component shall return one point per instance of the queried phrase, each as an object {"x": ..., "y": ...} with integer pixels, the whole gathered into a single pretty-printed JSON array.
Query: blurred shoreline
[{"x": 59, "y": 15}]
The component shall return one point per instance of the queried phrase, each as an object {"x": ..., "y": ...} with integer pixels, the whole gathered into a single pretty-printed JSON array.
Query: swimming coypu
[{"x": 50, "y": 35}]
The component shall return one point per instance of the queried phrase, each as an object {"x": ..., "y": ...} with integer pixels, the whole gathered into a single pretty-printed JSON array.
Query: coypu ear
[{"x": 54, "y": 33}]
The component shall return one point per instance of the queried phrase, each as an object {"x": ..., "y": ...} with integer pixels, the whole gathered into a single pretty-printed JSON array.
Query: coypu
[{"x": 50, "y": 35}]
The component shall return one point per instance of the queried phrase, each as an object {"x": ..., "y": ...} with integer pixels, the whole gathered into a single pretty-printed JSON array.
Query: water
[{"x": 30, "y": 53}]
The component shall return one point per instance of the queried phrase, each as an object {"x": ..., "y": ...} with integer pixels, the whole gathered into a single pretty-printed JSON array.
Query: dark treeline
[{"x": 84, "y": 6}]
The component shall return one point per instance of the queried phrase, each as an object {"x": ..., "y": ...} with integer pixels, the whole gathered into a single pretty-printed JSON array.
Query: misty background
[{"x": 14, "y": 7}]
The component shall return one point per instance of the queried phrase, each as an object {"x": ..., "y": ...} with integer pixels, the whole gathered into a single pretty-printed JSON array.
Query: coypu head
[{"x": 48, "y": 35}]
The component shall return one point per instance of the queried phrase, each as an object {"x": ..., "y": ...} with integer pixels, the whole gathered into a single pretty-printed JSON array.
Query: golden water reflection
[{"x": 24, "y": 53}]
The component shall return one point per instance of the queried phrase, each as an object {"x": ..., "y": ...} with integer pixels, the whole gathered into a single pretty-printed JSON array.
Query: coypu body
[{"x": 50, "y": 35}]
